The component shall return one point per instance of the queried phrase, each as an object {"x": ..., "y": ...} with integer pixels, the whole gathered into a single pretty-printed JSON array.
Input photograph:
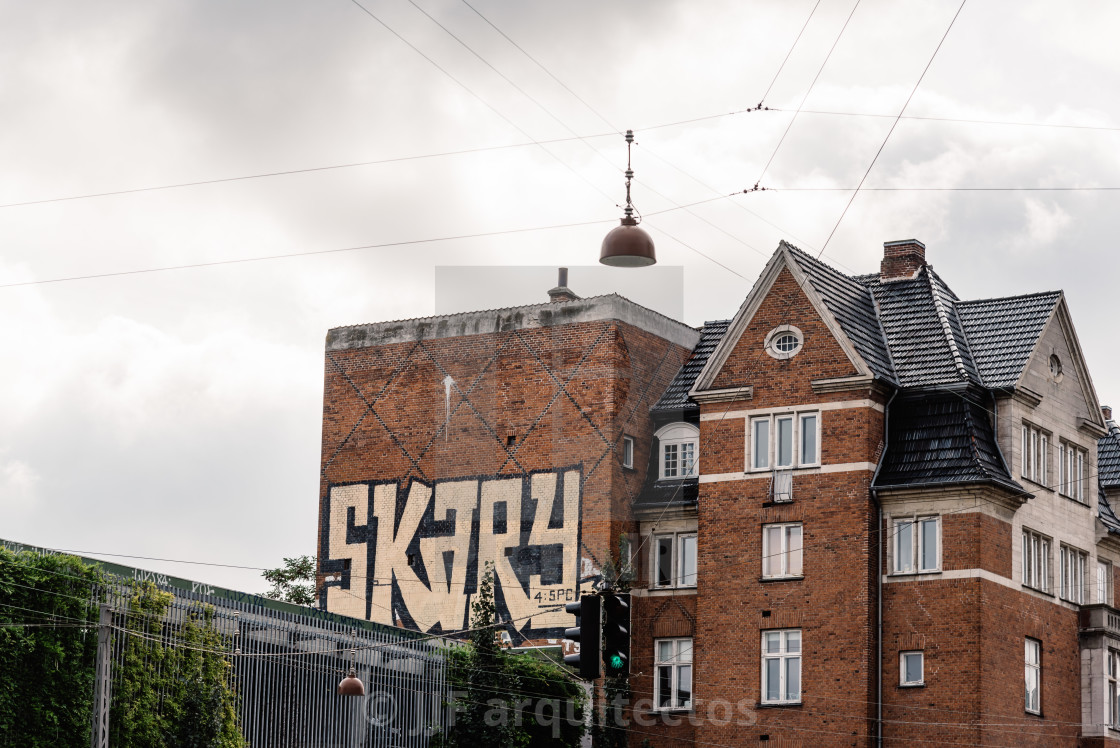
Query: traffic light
[
  {"x": 586, "y": 632},
  {"x": 616, "y": 634}
]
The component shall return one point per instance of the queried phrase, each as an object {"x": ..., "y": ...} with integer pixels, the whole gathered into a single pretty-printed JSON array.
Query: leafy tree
[
  {"x": 507, "y": 700},
  {"x": 294, "y": 582}
]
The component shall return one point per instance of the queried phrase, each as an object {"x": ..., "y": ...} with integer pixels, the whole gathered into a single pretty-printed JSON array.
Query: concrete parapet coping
[{"x": 549, "y": 314}]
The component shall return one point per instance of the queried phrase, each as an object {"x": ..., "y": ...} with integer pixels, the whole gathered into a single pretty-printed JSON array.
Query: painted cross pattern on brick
[{"x": 410, "y": 549}]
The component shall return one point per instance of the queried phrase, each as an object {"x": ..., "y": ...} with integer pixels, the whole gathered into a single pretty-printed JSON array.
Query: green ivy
[
  {"x": 46, "y": 686},
  {"x": 172, "y": 684}
]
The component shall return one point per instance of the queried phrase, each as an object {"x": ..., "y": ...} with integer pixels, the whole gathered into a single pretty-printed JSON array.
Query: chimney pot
[
  {"x": 902, "y": 259},
  {"x": 1106, "y": 411}
]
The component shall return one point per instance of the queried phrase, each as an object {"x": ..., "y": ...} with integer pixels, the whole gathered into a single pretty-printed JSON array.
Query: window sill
[
  {"x": 912, "y": 685},
  {"x": 778, "y": 705},
  {"x": 766, "y": 580},
  {"x": 1079, "y": 502},
  {"x": 666, "y": 591},
  {"x": 794, "y": 468},
  {"x": 670, "y": 712},
  {"x": 1033, "y": 482},
  {"x": 923, "y": 573}
]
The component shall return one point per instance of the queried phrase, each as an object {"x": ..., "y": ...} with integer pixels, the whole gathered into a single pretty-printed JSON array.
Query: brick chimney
[
  {"x": 901, "y": 259},
  {"x": 562, "y": 292}
]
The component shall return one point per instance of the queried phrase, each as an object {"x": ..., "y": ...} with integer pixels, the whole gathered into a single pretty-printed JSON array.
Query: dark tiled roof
[
  {"x": 1003, "y": 333},
  {"x": 850, "y": 303},
  {"x": 926, "y": 339},
  {"x": 1108, "y": 457},
  {"x": 1108, "y": 517},
  {"x": 676, "y": 395},
  {"x": 1108, "y": 475},
  {"x": 942, "y": 438},
  {"x": 662, "y": 493}
]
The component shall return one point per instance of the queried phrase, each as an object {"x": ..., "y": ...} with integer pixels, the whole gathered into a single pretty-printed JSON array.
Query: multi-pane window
[
  {"x": 781, "y": 666},
  {"x": 674, "y": 563},
  {"x": 1073, "y": 574},
  {"x": 673, "y": 666},
  {"x": 781, "y": 550},
  {"x": 1104, "y": 583},
  {"x": 785, "y": 441},
  {"x": 1073, "y": 472},
  {"x": 1114, "y": 688},
  {"x": 911, "y": 668},
  {"x": 1036, "y": 448},
  {"x": 916, "y": 545},
  {"x": 627, "y": 451},
  {"x": 1033, "y": 676},
  {"x": 678, "y": 450},
  {"x": 1036, "y": 560},
  {"x": 680, "y": 460}
]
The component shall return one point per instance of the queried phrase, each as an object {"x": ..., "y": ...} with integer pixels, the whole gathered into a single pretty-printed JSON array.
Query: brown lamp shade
[
  {"x": 627, "y": 246},
  {"x": 351, "y": 685}
]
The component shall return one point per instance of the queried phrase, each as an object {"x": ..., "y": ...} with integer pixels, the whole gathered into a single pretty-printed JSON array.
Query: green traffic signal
[{"x": 616, "y": 662}]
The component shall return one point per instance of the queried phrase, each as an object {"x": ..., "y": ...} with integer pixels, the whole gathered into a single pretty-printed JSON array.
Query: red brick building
[{"x": 861, "y": 510}]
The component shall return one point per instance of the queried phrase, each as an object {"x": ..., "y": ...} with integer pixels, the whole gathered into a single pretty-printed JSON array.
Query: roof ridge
[
  {"x": 1009, "y": 298},
  {"x": 943, "y": 316}
]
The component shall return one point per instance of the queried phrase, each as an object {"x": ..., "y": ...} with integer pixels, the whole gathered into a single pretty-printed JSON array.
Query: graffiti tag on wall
[{"x": 414, "y": 554}]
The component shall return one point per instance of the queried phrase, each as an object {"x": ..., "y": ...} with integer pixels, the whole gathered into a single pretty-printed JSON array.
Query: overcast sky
[{"x": 177, "y": 414}]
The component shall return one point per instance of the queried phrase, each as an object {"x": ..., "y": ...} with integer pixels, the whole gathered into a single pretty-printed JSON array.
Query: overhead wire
[
  {"x": 894, "y": 124},
  {"x": 808, "y": 91}
]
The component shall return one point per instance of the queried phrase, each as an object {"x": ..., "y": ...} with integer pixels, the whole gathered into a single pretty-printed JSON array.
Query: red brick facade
[{"x": 454, "y": 431}]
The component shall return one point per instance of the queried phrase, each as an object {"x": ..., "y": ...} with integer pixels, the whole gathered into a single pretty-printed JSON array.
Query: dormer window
[{"x": 680, "y": 452}]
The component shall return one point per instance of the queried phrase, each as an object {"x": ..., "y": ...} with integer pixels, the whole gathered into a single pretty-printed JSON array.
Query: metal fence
[
  {"x": 287, "y": 662},
  {"x": 286, "y": 669}
]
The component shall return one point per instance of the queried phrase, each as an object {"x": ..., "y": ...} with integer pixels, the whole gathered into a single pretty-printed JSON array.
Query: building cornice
[{"x": 550, "y": 314}]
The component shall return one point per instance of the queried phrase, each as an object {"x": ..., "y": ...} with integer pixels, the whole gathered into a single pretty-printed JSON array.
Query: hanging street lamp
[{"x": 628, "y": 246}]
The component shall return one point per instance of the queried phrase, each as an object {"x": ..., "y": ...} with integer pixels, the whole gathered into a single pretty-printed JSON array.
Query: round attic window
[
  {"x": 1055, "y": 368},
  {"x": 784, "y": 342}
]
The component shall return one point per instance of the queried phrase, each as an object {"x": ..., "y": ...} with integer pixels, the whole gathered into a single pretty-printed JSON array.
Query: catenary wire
[
  {"x": 893, "y": 125},
  {"x": 807, "y": 92}
]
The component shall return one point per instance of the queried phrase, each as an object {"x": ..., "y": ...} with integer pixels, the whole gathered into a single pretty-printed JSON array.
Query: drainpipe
[{"x": 879, "y": 578}]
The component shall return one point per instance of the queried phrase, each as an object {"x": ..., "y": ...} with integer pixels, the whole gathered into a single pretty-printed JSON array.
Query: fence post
[{"x": 103, "y": 683}]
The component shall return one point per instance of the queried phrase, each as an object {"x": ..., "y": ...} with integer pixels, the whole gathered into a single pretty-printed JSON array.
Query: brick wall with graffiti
[{"x": 443, "y": 453}]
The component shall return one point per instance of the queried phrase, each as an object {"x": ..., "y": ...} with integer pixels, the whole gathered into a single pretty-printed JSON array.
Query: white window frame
[
  {"x": 1035, "y": 455},
  {"x": 628, "y": 452},
  {"x": 1104, "y": 582},
  {"x": 677, "y": 560},
  {"x": 681, "y": 660},
  {"x": 772, "y": 337},
  {"x": 1032, "y": 678},
  {"x": 914, "y": 524},
  {"x": 682, "y": 438},
  {"x": 790, "y": 559},
  {"x": 797, "y": 421},
  {"x": 1036, "y": 562},
  {"x": 1072, "y": 563},
  {"x": 921, "y": 681},
  {"x": 1112, "y": 673},
  {"x": 787, "y": 659},
  {"x": 1073, "y": 471}
]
